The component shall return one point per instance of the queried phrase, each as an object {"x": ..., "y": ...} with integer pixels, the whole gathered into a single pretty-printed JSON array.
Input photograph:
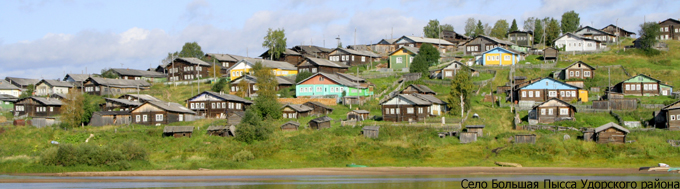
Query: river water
[{"x": 286, "y": 182}]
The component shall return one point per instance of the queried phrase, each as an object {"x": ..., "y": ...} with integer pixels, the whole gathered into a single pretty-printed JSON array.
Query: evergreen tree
[
  {"x": 570, "y": 22},
  {"x": 552, "y": 32},
  {"x": 428, "y": 55},
  {"x": 302, "y": 76},
  {"x": 461, "y": 89},
  {"x": 266, "y": 104},
  {"x": 480, "y": 29},
  {"x": 513, "y": 27},
  {"x": 538, "y": 31}
]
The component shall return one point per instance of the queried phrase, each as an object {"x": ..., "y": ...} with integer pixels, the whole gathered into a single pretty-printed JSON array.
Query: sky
[{"x": 46, "y": 39}]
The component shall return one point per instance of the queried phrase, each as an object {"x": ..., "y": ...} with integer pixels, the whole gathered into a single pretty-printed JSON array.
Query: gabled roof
[
  {"x": 534, "y": 82},
  {"x": 266, "y": 63},
  {"x": 252, "y": 79},
  {"x": 298, "y": 107},
  {"x": 8, "y": 98},
  {"x": 420, "y": 88},
  {"x": 410, "y": 98},
  {"x": 620, "y": 29},
  {"x": 312, "y": 49},
  {"x": 335, "y": 78},
  {"x": 137, "y": 73},
  {"x": 112, "y": 113},
  {"x": 641, "y": 75},
  {"x": 576, "y": 36},
  {"x": 178, "y": 129},
  {"x": 352, "y": 77},
  {"x": 22, "y": 81},
  {"x": 670, "y": 106},
  {"x": 430, "y": 98},
  {"x": 58, "y": 96},
  {"x": 170, "y": 107},
  {"x": 319, "y": 104},
  {"x": 291, "y": 123},
  {"x": 593, "y": 29},
  {"x": 45, "y": 101},
  {"x": 387, "y": 41},
  {"x": 501, "y": 49},
  {"x": 323, "y": 62},
  {"x": 119, "y": 82},
  {"x": 55, "y": 83},
  {"x": 529, "y": 32},
  {"x": 582, "y": 63},
  {"x": 358, "y": 52},
  {"x": 225, "y": 57},
  {"x": 144, "y": 97},
  {"x": 7, "y": 86},
  {"x": 497, "y": 40},
  {"x": 194, "y": 61},
  {"x": 425, "y": 40},
  {"x": 361, "y": 111},
  {"x": 671, "y": 20},
  {"x": 557, "y": 100},
  {"x": 414, "y": 50},
  {"x": 123, "y": 101},
  {"x": 321, "y": 119},
  {"x": 77, "y": 77},
  {"x": 289, "y": 52},
  {"x": 610, "y": 125},
  {"x": 226, "y": 97}
]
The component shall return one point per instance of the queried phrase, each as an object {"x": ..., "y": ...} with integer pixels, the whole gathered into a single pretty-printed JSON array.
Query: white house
[
  {"x": 9, "y": 89},
  {"x": 572, "y": 42},
  {"x": 48, "y": 87}
]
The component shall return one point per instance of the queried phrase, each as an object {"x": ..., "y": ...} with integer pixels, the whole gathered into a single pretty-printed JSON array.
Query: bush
[
  {"x": 92, "y": 155},
  {"x": 339, "y": 152},
  {"x": 243, "y": 156}
]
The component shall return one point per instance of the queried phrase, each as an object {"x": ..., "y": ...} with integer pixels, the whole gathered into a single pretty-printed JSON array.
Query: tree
[
  {"x": 538, "y": 31},
  {"x": 419, "y": 65},
  {"x": 649, "y": 33},
  {"x": 461, "y": 91},
  {"x": 243, "y": 87},
  {"x": 513, "y": 27},
  {"x": 530, "y": 24},
  {"x": 570, "y": 21},
  {"x": 108, "y": 73},
  {"x": 552, "y": 31},
  {"x": 302, "y": 76},
  {"x": 266, "y": 104},
  {"x": 192, "y": 50},
  {"x": 275, "y": 41},
  {"x": 487, "y": 29},
  {"x": 500, "y": 29},
  {"x": 480, "y": 29},
  {"x": 447, "y": 27},
  {"x": 431, "y": 30},
  {"x": 252, "y": 128},
  {"x": 72, "y": 109},
  {"x": 28, "y": 92},
  {"x": 470, "y": 27},
  {"x": 219, "y": 86},
  {"x": 214, "y": 70},
  {"x": 427, "y": 56}
]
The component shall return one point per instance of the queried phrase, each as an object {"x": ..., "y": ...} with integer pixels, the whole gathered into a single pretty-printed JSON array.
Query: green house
[{"x": 402, "y": 58}]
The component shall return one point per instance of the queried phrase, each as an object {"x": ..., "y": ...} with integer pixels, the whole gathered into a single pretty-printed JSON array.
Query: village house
[
  {"x": 643, "y": 85},
  {"x": 7, "y": 102},
  {"x": 320, "y": 123},
  {"x": 577, "y": 70},
  {"x": 412, "y": 41},
  {"x": 454, "y": 37},
  {"x": 103, "y": 118},
  {"x": 551, "y": 53},
  {"x": 499, "y": 56},
  {"x": 607, "y": 133},
  {"x": 290, "y": 126},
  {"x": 438, "y": 106},
  {"x": 76, "y": 79},
  {"x": 571, "y": 42},
  {"x": 522, "y": 38},
  {"x": 671, "y": 115},
  {"x": 9, "y": 89},
  {"x": 217, "y": 105},
  {"x": 245, "y": 66},
  {"x": 160, "y": 113},
  {"x": 312, "y": 51},
  {"x": 106, "y": 86},
  {"x": 58, "y": 96},
  {"x": 139, "y": 97},
  {"x": 404, "y": 107},
  {"x": 183, "y": 68},
  {"x": 359, "y": 115},
  {"x": 385, "y": 46},
  {"x": 417, "y": 89},
  {"x": 548, "y": 88},
  {"x": 48, "y": 87},
  {"x": 294, "y": 111},
  {"x": 318, "y": 108},
  {"x": 314, "y": 65},
  {"x": 351, "y": 57},
  {"x": 401, "y": 59},
  {"x": 617, "y": 31},
  {"x": 593, "y": 33},
  {"x": 132, "y": 74},
  {"x": 290, "y": 56},
  {"x": 484, "y": 43},
  {"x": 553, "y": 110},
  {"x": 333, "y": 85},
  {"x": 117, "y": 104},
  {"x": 22, "y": 83},
  {"x": 670, "y": 29},
  {"x": 224, "y": 60},
  {"x": 178, "y": 131},
  {"x": 450, "y": 70},
  {"x": 283, "y": 83},
  {"x": 37, "y": 107}
]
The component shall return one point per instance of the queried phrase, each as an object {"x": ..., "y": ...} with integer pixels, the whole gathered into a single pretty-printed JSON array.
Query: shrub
[
  {"x": 92, "y": 155},
  {"x": 243, "y": 156},
  {"x": 339, "y": 152}
]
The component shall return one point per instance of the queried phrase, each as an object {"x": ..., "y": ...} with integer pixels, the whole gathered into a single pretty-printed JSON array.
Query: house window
[
  {"x": 352, "y": 57},
  {"x": 561, "y": 93},
  {"x": 654, "y": 87},
  {"x": 550, "y": 111},
  {"x": 181, "y": 117},
  {"x": 531, "y": 94},
  {"x": 538, "y": 94},
  {"x": 159, "y": 117},
  {"x": 564, "y": 111},
  {"x": 51, "y": 109},
  {"x": 571, "y": 73},
  {"x": 202, "y": 105},
  {"x": 332, "y": 89},
  {"x": 586, "y": 73},
  {"x": 672, "y": 117},
  {"x": 420, "y": 110},
  {"x": 397, "y": 110},
  {"x": 223, "y": 105},
  {"x": 363, "y": 59},
  {"x": 410, "y": 59},
  {"x": 391, "y": 110},
  {"x": 638, "y": 87},
  {"x": 192, "y": 105},
  {"x": 645, "y": 86},
  {"x": 213, "y": 105},
  {"x": 285, "y": 115},
  {"x": 254, "y": 87},
  {"x": 399, "y": 61},
  {"x": 627, "y": 87},
  {"x": 507, "y": 57},
  {"x": 318, "y": 89},
  {"x": 137, "y": 118},
  {"x": 552, "y": 93},
  {"x": 409, "y": 110},
  {"x": 573, "y": 93},
  {"x": 524, "y": 94},
  {"x": 542, "y": 111},
  {"x": 238, "y": 106},
  {"x": 577, "y": 73},
  {"x": 144, "y": 118}
]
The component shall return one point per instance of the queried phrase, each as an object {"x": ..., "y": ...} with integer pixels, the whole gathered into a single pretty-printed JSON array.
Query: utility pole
[
  {"x": 215, "y": 70},
  {"x": 609, "y": 72}
]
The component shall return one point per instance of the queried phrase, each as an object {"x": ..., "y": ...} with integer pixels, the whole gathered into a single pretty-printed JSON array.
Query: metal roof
[
  {"x": 144, "y": 97},
  {"x": 140, "y": 73},
  {"x": 194, "y": 61},
  {"x": 224, "y": 96},
  {"x": 319, "y": 104},
  {"x": 178, "y": 129},
  {"x": 322, "y": 119},
  {"x": 429, "y": 98},
  {"x": 426, "y": 40},
  {"x": 113, "y": 113},
  {"x": 119, "y": 82},
  {"x": 123, "y": 101},
  {"x": 77, "y": 77},
  {"x": 55, "y": 83},
  {"x": 8, "y": 86},
  {"x": 170, "y": 106},
  {"x": 22, "y": 81},
  {"x": 324, "y": 62},
  {"x": 253, "y": 79},
  {"x": 358, "y": 52},
  {"x": 45, "y": 101},
  {"x": 610, "y": 125},
  {"x": 298, "y": 107},
  {"x": 292, "y": 123}
]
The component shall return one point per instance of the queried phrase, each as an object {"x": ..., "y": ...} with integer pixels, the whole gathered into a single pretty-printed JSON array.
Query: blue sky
[{"x": 47, "y": 38}]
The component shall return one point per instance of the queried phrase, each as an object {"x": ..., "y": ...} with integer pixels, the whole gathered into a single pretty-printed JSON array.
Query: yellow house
[
  {"x": 244, "y": 67},
  {"x": 499, "y": 57},
  {"x": 583, "y": 94}
]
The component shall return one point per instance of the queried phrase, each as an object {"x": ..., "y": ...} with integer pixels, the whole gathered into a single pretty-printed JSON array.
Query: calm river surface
[{"x": 285, "y": 182}]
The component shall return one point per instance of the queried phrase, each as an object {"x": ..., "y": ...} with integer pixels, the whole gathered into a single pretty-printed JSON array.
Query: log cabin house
[
  {"x": 217, "y": 105},
  {"x": 160, "y": 113},
  {"x": 417, "y": 89},
  {"x": 454, "y": 37},
  {"x": 670, "y": 29},
  {"x": 597, "y": 34},
  {"x": 671, "y": 115},
  {"x": 76, "y": 79},
  {"x": 548, "y": 88},
  {"x": 312, "y": 51},
  {"x": 617, "y": 31},
  {"x": 290, "y": 56},
  {"x": 351, "y": 57},
  {"x": 48, "y": 87},
  {"x": 404, "y": 107},
  {"x": 643, "y": 85},
  {"x": 178, "y": 131},
  {"x": 290, "y": 126},
  {"x": 283, "y": 83},
  {"x": 318, "y": 108},
  {"x": 142, "y": 98},
  {"x": 553, "y": 110},
  {"x": 132, "y": 74},
  {"x": 607, "y": 133},
  {"x": 577, "y": 70},
  {"x": 438, "y": 106},
  {"x": 116, "y": 104},
  {"x": 450, "y": 71},
  {"x": 105, "y": 86},
  {"x": 22, "y": 83},
  {"x": 483, "y": 43},
  {"x": 37, "y": 107},
  {"x": 320, "y": 123},
  {"x": 522, "y": 38},
  {"x": 315, "y": 65},
  {"x": 359, "y": 115},
  {"x": 294, "y": 111},
  {"x": 224, "y": 60},
  {"x": 186, "y": 69}
]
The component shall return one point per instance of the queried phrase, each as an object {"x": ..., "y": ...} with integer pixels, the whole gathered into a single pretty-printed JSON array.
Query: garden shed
[
  {"x": 358, "y": 115},
  {"x": 371, "y": 131},
  {"x": 467, "y": 137},
  {"x": 610, "y": 133},
  {"x": 320, "y": 123},
  {"x": 479, "y": 129},
  {"x": 525, "y": 138},
  {"x": 290, "y": 126},
  {"x": 178, "y": 131}
]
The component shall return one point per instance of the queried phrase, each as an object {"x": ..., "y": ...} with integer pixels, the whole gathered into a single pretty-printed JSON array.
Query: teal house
[
  {"x": 336, "y": 85},
  {"x": 402, "y": 58}
]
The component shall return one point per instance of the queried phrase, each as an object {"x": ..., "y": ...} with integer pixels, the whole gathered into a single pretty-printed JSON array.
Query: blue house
[
  {"x": 499, "y": 57},
  {"x": 544, "y": 89}
]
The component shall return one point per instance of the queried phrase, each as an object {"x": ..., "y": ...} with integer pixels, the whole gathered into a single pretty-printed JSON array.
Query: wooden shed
[
  {"x": 290, "y": 126},
  {"x": 358, "y": 115},
  {"x": 550, "y": 53},
  {"x": 320, "y": 123},
  {"x": 479, "y": 129},
  {"x": 371, "y": 131},
  {"x": 610, "y": 133},
  {"x": 318, "y": 107},
  {"x": 178, "y": 131},
  {"x": 467, "y": 137},
  {"x": 525, "y": 138},
  {"x": 235, "y": 118},
  {"x": 222, "y": 131},
  {"x": 110, "y": 118}
]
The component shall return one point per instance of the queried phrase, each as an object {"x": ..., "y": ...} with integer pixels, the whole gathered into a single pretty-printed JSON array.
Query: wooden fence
[
  {"x": 373, "y": 75},
  {"x": 616, "y": 104},
  {"x": 545, "y": 127}
]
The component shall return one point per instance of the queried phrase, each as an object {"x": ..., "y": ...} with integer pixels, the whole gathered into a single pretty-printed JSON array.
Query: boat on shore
[{"x": 355, "y": 165}]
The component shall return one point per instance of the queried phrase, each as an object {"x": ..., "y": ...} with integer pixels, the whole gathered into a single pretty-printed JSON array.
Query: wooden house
[
  {"x": 245, "y": 67},
  {"x": 547, "y": 88},
  {"x": 417, "y": 89},
  {"x": 413, "y": 41},
  {"x": 290, "y": 56},
  {"x": 283, "y": 83},
  {"x": 522, "y": 38},
  {"x": 572, "y": 42},
  {"x": 290, "y": 126},
  {"x": 597, "y": 34},
  {"x": 186, "y": 69},
  {"x": 318, "y": 108},
  {"x": 312, "y": 51},
  {"x": 401, "y": 59},
  {"x": 450, "y": 71},
  {"x": 467, "y": 137},
  {"x": 577, "y": 70},
  {"x": 7, "y": 102},
  {"x": 403, "y": 107},
  {"x": 47, "y": 87},
  {"x": 314, "y": 65},
  {"x": 58, "y": 96},
  {"x": 336, "y": 85},
  {"x": 138, "y": 97},
  {"x": 295, "y": 111},
  {"x": 103, "y": 118},
  {"x": 106, "y": 86},
  {"x": 643, "y": 85},
  {"x": 76, "y": 79},
  {"x": 483, "y": 43},
  {"x": 525, "y": 139},
  {"x": 608, "y": 133},
  {"x": 22, "y": 83},
  {"x": 132, "y": 74},
  {"x": 671, "y": 116},
  {"x": 617, "y": 31},
  {"x": 371, "y": 131},
  {"x": 670, "y": 29},
  {"x": 438, "y": 107},
  {"x": 550, "y": 53},
  {"x": 385, "y": 46},
  {"x": 116, "y": 104},
  {"x": 320, "y": 123},
  {"x": 160, "y": 113},
  {"x": 9, "y": 89},
  {"x": 223, "y": 131},
  {"x": 178, "y": 131},
  {"x": 351, "y": 57},
  {"x": 358, "y": 115},
  {"x": 499, "y": 56},
  {"x": 37, "y": 107},
  {"x": 217, "y": 105},
  {"x": 479, "y": 129},
  {"x": 454, "y": 37},
  {"x": 553, "y": 110},
  {"x": 235, "y": 118},
  {"x": 224, "y": 60}
]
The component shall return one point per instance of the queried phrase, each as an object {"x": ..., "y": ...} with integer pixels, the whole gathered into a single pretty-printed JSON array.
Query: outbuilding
[
  {"x": 525, "y": 138},
  {"x": 358, "y": 115},
  {"x": 178, "y": 131},
  {"x": 320, "y": 123},
  {"x": 222, "y": 131},
  {"x": 479, "y": 129},
  {"x": 371, "y": 131},
  {"x": 290, "y": 126},
  {"x": 103, "y": 118},
  {"x": 609, "y": 133}
]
